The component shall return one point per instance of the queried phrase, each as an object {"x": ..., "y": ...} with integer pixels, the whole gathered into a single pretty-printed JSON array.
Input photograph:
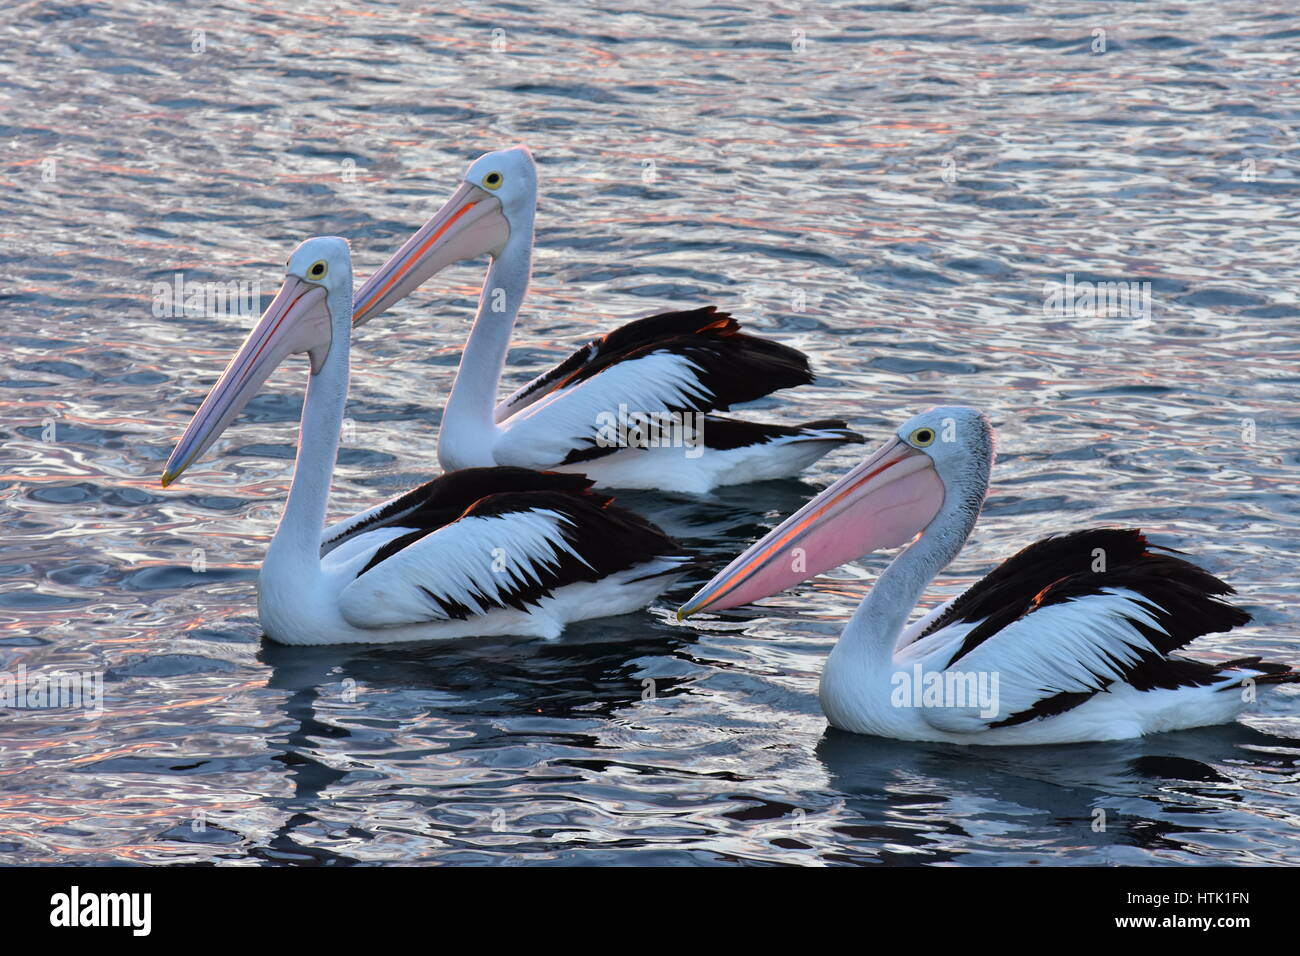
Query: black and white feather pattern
[
  {"x": 723, "y": 434},
  {"x": 726, "y": 366},
  {"x": 442, "y": 500},
  {"x": 1073, "y": 615},
  {"x": 485, "y": 539}
]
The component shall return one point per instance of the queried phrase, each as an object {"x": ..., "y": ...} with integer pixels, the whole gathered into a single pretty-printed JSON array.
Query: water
[{"x": 893, "y": 198}]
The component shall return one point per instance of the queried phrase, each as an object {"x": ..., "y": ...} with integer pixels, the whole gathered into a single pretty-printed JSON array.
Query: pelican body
[
  {"x": 483, "y": 551},
  {"x": 1070, "y": 640},
  {"x": 684, "y": 366}
]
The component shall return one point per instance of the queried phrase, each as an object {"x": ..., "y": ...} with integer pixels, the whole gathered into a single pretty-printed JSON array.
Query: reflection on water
[
  {"x": 1194, "y": 797},
  {"x": 896, "y": 191}
]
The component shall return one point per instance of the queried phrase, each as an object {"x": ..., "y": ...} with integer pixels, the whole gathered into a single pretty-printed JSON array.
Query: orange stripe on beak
[
  {"x": 810, "y": 519},
  {"x": 411, "y": 260}
]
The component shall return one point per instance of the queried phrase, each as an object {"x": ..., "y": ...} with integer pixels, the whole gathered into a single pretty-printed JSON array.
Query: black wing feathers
[
  {"x": 444, "y": 499},
  {"x": 606, "y": 538},
  {"x": 1008, "y": 591},
  {"x": 735, "y": 366},
  {"x": 723, "y": 434},
  {"x": 1184, "y": 601}
]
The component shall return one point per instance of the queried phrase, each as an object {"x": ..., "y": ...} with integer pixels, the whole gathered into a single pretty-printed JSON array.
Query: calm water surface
[{"x": 889, "y": 187}]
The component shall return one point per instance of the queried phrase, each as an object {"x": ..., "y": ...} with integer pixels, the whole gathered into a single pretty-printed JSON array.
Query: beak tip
[{"x": 168, "y": 477}]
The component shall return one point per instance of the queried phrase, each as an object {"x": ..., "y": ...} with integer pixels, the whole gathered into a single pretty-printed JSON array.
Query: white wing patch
[
  {"x": 1070, "y": 647},
  {"x": 543, "y": 433},
  {"x": 476, "y": 564}
]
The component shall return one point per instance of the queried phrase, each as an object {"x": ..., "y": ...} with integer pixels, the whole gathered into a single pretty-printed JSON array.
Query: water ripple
[{"x": 893, "y": 188}]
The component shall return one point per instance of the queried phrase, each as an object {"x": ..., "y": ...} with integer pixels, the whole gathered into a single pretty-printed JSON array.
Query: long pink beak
[
  {"x": 468, "y": 225},
  {"x": 882, "y": 503},
  {"x": 297, "y": 320}
]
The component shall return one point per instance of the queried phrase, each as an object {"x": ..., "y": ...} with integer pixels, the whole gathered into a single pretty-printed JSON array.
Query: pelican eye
[
  {"x": 492, "y": 180},
  {"x": 922, "y": 437},
  {"x": 318, "y": 269}
]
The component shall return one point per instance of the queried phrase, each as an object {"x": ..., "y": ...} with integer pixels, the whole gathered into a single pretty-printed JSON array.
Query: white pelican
[
  {"x": 598, "y": 411},
  {"x": 1070, "y": 640},
  {"x": 484, "y": 551}
]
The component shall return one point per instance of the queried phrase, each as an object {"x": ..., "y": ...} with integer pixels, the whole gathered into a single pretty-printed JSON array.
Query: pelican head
[
  {"x": 930, "y": 477},
  {"x": 309, "y": 313},
  {"x": 495, "y": 200}
]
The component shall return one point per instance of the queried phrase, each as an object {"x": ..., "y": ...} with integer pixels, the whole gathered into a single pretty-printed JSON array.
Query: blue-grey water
[{"x": 891, "y": 187}]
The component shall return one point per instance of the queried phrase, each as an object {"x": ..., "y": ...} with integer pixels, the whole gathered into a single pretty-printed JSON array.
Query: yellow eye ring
[
  {"x": 923, "y": 437},
  {"x": 318, "y": 269},
  {"x": 493, "y": 180}
]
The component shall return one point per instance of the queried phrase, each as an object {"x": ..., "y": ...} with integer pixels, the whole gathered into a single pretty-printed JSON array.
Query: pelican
[
  {"x": 629, "y": 409},
  {"x": 482, "y": 551},
  {"x": 1072, "y": 639}
]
